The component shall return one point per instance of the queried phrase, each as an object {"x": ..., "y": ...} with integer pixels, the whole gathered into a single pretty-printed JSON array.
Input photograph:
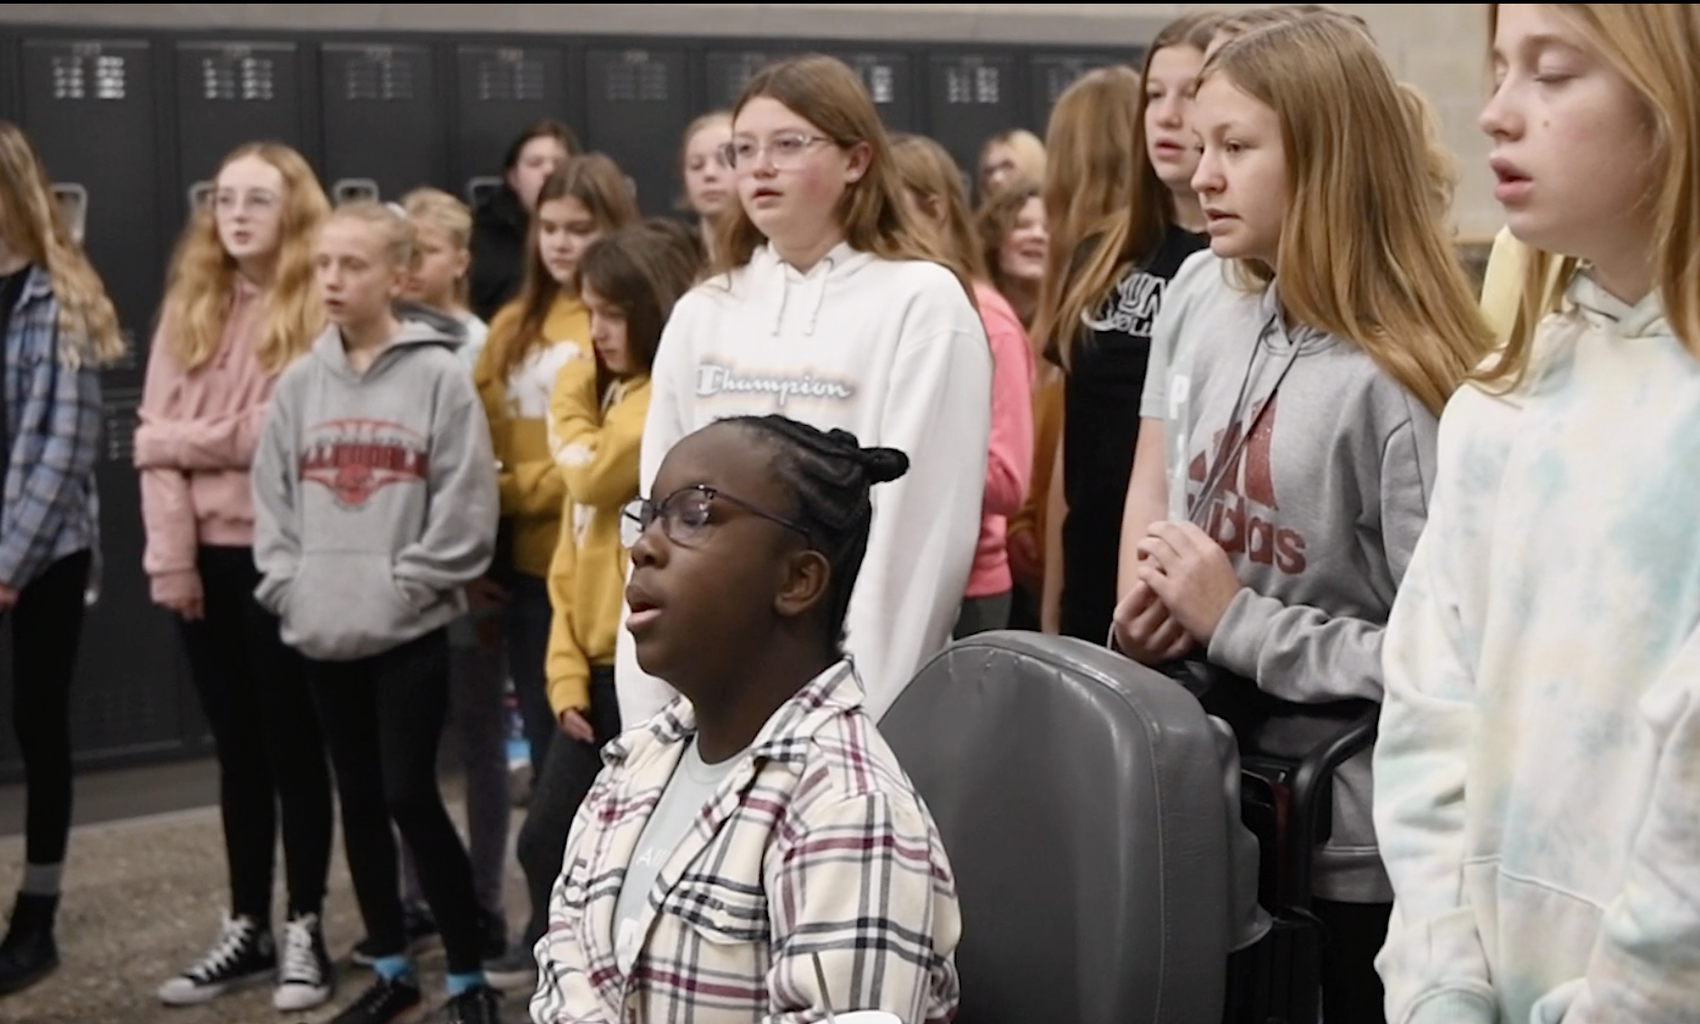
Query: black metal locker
[
  {"x": 889, "y": 79},
  {"x": 501, "y": 91},
  {"x": 230, "y": 93},
  {"x": 970, "y": 98},
  {"x": 729, "y": 70},
  {"x": 382, "y": 121},
  {"x": 89, "y": 107},
  {"x": 636, "y": 109},
  {"x": 1050, "y": 75}
]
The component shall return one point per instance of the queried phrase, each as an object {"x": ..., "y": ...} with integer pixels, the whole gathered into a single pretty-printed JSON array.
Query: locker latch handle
[
  {"x": 350, "y": 190},
  {"x": 480, "y": 189},
  {"x": 73, "y": 200}
]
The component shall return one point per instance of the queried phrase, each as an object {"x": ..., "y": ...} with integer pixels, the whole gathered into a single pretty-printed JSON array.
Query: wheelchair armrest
[{"x": 1311, "y": 781}]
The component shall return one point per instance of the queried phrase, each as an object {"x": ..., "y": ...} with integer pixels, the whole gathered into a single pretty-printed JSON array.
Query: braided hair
[{"x": 829, "y": 475}]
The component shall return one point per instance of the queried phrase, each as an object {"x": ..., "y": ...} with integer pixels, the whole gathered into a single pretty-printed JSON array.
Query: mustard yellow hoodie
[
  {"x": 595, "y": 442},
  {"x": 517, "y": 405}
]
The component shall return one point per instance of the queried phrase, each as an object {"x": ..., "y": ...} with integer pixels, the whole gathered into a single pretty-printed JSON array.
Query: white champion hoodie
[
  {"x": 1537, "y": 774},
  {"x": 892, "y": 351}
]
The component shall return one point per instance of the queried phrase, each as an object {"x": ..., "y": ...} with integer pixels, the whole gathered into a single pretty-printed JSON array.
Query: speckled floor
[{"x": 144, "y": 897}]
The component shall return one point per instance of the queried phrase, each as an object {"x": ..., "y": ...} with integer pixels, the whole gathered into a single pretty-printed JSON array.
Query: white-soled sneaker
[
  {"x": 243, "y": 954},
  {"x": 305, "y": 975}
]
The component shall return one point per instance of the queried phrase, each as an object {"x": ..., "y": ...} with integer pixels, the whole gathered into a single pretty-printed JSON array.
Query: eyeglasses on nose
[
  {"x": 686, "y": 513},
  {"x": 785, "y": 149}
]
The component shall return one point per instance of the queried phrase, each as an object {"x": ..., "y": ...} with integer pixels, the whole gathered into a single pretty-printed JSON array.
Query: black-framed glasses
[
  {"x": 785, "y": 149},
  {"x": 685, "y": 512}
]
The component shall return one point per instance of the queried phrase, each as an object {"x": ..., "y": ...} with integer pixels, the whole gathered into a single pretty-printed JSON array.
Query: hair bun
[{"x": 882, "y": 464}]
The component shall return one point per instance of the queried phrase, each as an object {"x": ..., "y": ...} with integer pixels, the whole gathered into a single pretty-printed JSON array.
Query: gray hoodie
[
  {"x": 374, "y": 494},
  {"x": 1318, "y": 509}
]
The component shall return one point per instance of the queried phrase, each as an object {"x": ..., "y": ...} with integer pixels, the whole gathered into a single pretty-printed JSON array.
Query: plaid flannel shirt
[
  {"x": 53, "y": 417},
  {"x": 815, "y": 843}
]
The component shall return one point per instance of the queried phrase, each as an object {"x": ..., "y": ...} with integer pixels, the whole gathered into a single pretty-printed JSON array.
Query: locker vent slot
[
  {"x": 118, "y": 411},
  {"x": 379, "y": 75},
  {"x": 238, "y": 77},
  {"x": 741, "y": 68},
  {"x": 509, "y": 76},
  {"x": 637, "y": 79},
  {"x": 973, "y": 82},
  {"x": 879, "y": 77},
  {"x": 78, "y": 76}
]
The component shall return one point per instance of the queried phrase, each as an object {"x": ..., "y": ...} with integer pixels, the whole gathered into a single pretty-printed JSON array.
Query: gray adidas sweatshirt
[
  {"x": 1319, "y": 509},
  {"x": 374, "y": 494}
]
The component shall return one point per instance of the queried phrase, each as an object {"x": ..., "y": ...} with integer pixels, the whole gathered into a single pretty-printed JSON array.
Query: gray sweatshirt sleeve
[
  {"x": 460, "y": 526},
  {"x": 277, "y": 540},
  {"x": 1299, "y": 652}
]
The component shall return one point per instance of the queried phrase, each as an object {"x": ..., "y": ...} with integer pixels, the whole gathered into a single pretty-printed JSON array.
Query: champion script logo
[
  {"x": 356, "y": 458},
  {"x": 1240, "y": 515},
  {"x": 714, "y": 379}
]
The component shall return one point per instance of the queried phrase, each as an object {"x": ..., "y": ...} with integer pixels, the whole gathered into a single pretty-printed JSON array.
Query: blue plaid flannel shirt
[{"x": 53, "y": 420}]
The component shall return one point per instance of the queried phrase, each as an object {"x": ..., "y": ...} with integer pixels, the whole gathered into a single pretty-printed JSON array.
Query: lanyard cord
[{"x": 1232, "y": 444}]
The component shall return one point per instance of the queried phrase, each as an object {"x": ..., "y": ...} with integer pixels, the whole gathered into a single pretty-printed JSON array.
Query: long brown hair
[
  {"x": 1105, "y": 207},
  {"x": 1364, "y": 252},
  {"x": 1656, "y": 48},
  {"x": 931, "y": 176},
  {"x": 643, "y": 270},
  {"x": 872, "y": 214},
  {"x": 203, "y": 276},
  {"x": 35, "y": 229},
  {"x": 597, "y": 182}
]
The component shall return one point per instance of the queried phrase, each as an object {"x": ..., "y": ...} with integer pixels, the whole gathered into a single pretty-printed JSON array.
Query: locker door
[
  {"x": 1050, "y": 75},
  {"x": 635, "y": 111},
  {"x": 889, "y": 80},
  {"x": 88, "y": 106},
  {"x": 970, "y": 97},
  {"x": 231, "y": 93},
  {"x": 729, "y": 70},
  {"x": 381, "y": 117},
  {"x": 501, "y": 91}
]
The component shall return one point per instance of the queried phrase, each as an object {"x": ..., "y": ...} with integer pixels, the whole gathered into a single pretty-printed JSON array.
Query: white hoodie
[
  {"x": 891, "y": 351},
  {"x": 1537, "y": 774}
]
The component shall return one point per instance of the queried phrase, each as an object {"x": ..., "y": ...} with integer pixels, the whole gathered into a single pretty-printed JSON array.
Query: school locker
[
  {"x": 500, "y": 91},
  {"x": 1050, "y": 75},
  {"x": 888, "y": 77},
  {"x": 89, "y": 107},
  {"x": 636, "y": 109},
  {"x": 231, "y": 92},
  {"x": 382, "y": 122},
  {"x": 970, "y": 98},
  {"x": 730, "y": 69}
]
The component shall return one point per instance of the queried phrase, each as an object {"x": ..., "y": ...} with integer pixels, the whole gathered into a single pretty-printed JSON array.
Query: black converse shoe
[
  {"x": 386, "y": 1002},
  {"x": 417, "y": 924},
  {"x": 480, "y": 1004},
  {"x": 242, "y": 955},
  {"x": 305, "y": 977}
]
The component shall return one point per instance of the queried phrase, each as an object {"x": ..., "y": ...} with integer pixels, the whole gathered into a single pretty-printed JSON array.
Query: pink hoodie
[
  {"x": 195, "y": 439},
  {"x": 1009, "y": 461}
]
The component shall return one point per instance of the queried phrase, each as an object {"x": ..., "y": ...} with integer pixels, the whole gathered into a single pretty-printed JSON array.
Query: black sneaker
[
  {"x": 417, "y": 925},
  {"x": 305, "y": 977},
  {"x": 495, "y": 937},
  {"x": 480, "y": 1004},
  {"x": 242, "y": 955},
  {"x": 386, "y": 1002},
  {"x": 29, "y": 953}
]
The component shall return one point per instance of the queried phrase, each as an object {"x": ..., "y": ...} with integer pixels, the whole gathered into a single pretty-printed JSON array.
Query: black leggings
[
  {"x": 568, "y": 772},
  {"x": 1351, "y": 989},
  {"x": 382, "y": 718},
  {"x": 253, "y": 691},
  {"x": 47, "y": 623}
]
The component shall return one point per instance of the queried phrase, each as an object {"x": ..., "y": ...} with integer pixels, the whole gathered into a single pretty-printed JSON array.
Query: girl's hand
[
  {"x": 574, "y": 724},
  {"x": 1024, "y": 562},
  {"x": 485, "y": 594},
  {"x": 1144, "y": 629},
  {"x": 8, "y": 598},
  {"x": 1190, "y": 574}
]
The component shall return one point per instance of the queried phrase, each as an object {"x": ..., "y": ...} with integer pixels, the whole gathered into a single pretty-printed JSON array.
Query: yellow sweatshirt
[
  {"x": 595, "y": 445},
  {"x": 518, "y": 410}
]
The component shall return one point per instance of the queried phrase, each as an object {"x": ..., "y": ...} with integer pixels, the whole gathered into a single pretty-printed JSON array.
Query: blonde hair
[
  {"x": 1025, "y": 148},
  {"x": 1105, "y": 207},
  {"x": 388, "y": 221},
  {"x": 202, "y": 278},
  {"x": 34, "y": 228},
  {"x": 1656, "y": 48},
  {"x": 929, "y": 173},
  {"x": 872, "y": 214},
  {"x": 1363, "y": 253},
  {"x": 436, "y": 209},
  {"x": 597, "y": 182},
  {"x": 1438, "y": 162}
]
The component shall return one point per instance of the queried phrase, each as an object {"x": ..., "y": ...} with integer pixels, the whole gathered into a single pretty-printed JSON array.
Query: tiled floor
[{"x": 144, "y": 895}]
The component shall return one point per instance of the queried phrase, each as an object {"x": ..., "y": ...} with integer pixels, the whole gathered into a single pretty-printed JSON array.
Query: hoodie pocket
[{"x": 344, "y": 605}]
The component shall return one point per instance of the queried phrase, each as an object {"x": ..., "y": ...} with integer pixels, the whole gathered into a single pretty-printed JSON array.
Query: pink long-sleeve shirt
[
  {"x": 1009, "y": 457},
  {"x": 195, "y": 440}
]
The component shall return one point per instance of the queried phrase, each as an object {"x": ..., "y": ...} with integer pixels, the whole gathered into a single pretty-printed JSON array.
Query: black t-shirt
[
  {"x": 1101, "y": 395},
  {"x": 498, "y": 253}
]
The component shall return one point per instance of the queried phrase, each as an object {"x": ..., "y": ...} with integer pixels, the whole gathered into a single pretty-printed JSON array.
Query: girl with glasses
[
  {"x": 755, "y": 852},
  {"x": 827, "y": 302}
]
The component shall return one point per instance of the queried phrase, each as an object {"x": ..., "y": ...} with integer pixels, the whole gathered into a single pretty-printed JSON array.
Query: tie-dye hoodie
[{"x": 1538, "y": 768}]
